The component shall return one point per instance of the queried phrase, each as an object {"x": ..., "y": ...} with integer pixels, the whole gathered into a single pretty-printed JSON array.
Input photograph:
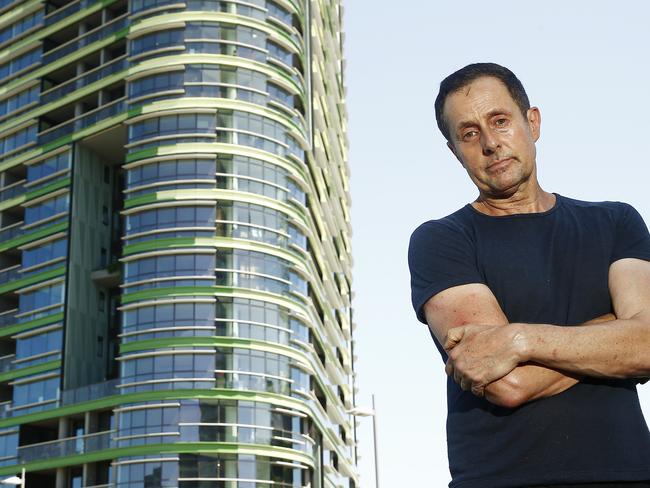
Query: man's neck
[{"x": 534, "y": 201}]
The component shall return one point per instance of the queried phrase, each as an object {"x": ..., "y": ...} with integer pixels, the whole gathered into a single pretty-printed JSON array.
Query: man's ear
[
  {"x": 534, "y": 118},
  {"x": 453, "y": 151}
]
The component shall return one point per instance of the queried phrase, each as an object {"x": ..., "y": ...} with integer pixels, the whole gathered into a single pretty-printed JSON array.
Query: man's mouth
[{"x": 499, "y": 163}]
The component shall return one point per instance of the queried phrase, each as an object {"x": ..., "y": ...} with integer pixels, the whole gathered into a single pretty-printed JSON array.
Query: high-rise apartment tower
[{"x": 174, "y": 245}]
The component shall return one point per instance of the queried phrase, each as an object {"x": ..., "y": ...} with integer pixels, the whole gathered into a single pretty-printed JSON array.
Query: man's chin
[{"x": 505, "y": 189}]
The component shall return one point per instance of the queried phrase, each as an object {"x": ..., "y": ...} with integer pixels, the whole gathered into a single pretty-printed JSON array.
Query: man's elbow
[
  {"x": 518, "y": 388},
  {"x": 507, "y": 393}
]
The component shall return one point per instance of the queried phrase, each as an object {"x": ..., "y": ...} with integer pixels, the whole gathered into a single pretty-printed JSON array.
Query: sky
[{"x": 583, "y": 63}]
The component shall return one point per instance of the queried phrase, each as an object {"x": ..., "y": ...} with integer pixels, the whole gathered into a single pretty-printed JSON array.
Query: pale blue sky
[{"x": 583, "y": 63}]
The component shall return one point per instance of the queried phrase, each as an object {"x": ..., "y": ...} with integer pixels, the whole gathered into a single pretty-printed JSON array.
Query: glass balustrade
[
  {"x": 89, "y": 392},
  {"x": 11, "y": 231},
  {"x": 91, "y": 76},
  {"x": 66, "y": 447},
  {"x": 95, "y": 35},
  {"x": 7, "y": 363},
  {"x": 216, "y": 433},
  {"x": 86, "y": 120},
  {"x": 12, "y": 191},
  {"x": 65, "y": 11},
  {"x": 8, "y": 318},
  {"x": 10, "y": 274}
]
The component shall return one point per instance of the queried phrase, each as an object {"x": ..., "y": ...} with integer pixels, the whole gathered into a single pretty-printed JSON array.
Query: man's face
[{"x": 490, "y": 136}]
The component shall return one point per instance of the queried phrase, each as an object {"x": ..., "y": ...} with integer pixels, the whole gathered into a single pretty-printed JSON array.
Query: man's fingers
[
  {"x": 465, "y": 384},
  {"x": 458, "y": 376},
  {"x": 478, "y": 390},
  {"x": 454, "y": 336},
  {"x": 449, "y": 368}
]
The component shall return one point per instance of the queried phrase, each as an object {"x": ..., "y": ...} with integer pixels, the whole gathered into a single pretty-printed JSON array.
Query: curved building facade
[{"x": 174, "y": 244}]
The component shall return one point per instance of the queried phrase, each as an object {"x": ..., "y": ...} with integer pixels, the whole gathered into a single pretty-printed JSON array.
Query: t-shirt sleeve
[
  {"x": 440, "y": 256},
  {"x": 632, "y": 241},
  {"x": 632, "y": 237}
]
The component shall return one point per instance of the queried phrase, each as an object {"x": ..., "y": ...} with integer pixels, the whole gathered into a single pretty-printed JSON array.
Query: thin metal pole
[
  {"x": 22, "y": 478},
  {"x": 374, "y": 436}
]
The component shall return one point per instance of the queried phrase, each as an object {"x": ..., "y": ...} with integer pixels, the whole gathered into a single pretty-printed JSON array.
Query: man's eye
[
  {"x": 501, "y": 122},
  {"x": 469, "y": 134}
]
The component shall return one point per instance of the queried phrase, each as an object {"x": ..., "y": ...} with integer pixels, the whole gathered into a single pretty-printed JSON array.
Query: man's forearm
[
  {"x": 616, "y": 349},
  {"x": 529, "y": 382},
  {"x": 526, "y": 383}
]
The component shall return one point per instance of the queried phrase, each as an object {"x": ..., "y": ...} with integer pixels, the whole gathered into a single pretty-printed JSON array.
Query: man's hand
[{"x": 481, "y": 354}]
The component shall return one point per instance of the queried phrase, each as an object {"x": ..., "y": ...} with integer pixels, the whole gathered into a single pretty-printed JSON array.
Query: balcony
[
  {"x": 10, "y": 274},
  {"x": 89, "y": 118},
  {"x": 8, "y": 318},
  {"x": 63, "y": 12},
  {"x": 66, "y": 447},
  {"x": 11, "y": 231},
  {"x": 68, "y": 397},
  {"x": 90, "y": 392},
  {"x": 7, "y": 363},
  {"x": 5, "y": 409},
  {"x": 12, "y": 191},
  {"x": 5, "y": 3},
  {"x": 88, "y": 38},
  {"x": 87, "y": 78},
  {"x": 99, "y": 441}
]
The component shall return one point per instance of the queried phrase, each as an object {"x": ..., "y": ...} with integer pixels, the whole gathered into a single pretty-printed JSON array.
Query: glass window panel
[
  {"x": 149, "y": 172},
  {"x": 168, "y": 124},
  {"x": 204, "y": 362},
  {"x": 146, "y": 315},
  {"x": 144, "y": 366},
  {"x": 185, "y": 263},
  {"x": 205, "y": 122},
  {"x": 184, "y": 311},
  {"x": 211, "y": 75},
  {"x": 165, "y": 265},
  {"x": 183, "y": 362},
  {"x": 138, "y": 418},
  {"x": 257, "y": 362},
  {"x": 164, "y": 363},
  {"x": 167, "y": 169},
  {"x": 170, "y": 416},
  {"x": 166, "y": 217},
  {"x": 193, "y": 74},
  {"x": 164, "y": 313},
  {"x": 187, "y": 122},
  {"x": 185, "y": 215}
]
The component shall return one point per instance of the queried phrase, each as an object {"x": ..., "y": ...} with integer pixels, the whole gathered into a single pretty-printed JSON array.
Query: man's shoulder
[
  {"x": 610, "y": 210},
  {"x": 457, "y": 222},
  {"x": 611, "y": 206}
]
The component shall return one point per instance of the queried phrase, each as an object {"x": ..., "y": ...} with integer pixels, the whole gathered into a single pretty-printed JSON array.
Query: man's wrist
[{"x": 521, "y": 342}]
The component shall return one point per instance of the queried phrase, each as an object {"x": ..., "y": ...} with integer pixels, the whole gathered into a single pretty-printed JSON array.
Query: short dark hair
[{"x": 470, "y": 73}]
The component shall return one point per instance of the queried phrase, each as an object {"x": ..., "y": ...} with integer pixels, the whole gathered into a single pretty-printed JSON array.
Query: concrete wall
[{"x": 86, "y": 319}]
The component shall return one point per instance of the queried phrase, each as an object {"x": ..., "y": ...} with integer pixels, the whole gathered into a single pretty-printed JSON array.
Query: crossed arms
[{"x": 522, "y": 362}]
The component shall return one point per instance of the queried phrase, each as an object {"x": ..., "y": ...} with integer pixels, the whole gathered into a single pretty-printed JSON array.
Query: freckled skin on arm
[
  {"x": 475, "y": 304},
  {"x": 619, "y": 347}
]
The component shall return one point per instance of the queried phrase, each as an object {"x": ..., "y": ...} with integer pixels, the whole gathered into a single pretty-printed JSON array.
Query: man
[{"x": 504, "y": 282}]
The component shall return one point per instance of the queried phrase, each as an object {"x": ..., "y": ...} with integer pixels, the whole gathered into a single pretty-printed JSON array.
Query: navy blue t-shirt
[{"x": 549, "y": 268}]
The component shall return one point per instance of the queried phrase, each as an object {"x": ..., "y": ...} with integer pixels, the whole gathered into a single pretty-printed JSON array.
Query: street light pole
[
  {"x": 365, "y": 412},
  {"x": 374, "y": 436}
]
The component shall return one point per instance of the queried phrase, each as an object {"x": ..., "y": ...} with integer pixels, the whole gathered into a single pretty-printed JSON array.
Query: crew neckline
[{"x": 558, "y": 203}]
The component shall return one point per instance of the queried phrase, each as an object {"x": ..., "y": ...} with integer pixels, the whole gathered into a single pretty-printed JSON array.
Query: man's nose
[{"x": 489, "y": 143}]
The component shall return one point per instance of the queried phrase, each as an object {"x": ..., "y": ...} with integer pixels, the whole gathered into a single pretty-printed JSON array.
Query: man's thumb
[{"x": 454, "y": 336}]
